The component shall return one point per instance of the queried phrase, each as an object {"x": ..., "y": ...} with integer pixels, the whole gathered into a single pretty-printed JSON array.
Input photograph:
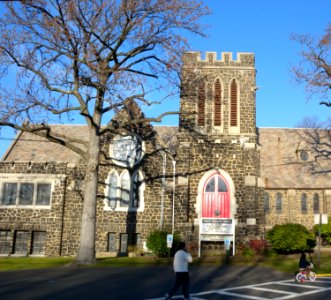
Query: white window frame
[
  {"x": 118, "y": 207},
  {"x": 34, "y": 179}
]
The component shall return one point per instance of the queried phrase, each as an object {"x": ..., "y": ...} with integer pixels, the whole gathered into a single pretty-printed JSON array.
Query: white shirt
[{"x": 181, "y": 260}]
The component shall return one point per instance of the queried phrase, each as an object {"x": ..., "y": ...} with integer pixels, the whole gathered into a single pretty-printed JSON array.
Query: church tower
[
  {"x": 220, "y": 92},
  {"x": 218, "y": 153}
]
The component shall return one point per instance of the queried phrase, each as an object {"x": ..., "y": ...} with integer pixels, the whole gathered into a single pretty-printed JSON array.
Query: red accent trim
[{"x": 216, "y": 204}]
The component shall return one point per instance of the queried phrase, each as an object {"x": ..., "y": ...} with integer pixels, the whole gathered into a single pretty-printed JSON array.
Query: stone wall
[
  {"x": 33, "y": 219},
  {"x": 291, "y": 206},
  {"x": 196, "y": 71},
  {"x": 203, "y": 148}
]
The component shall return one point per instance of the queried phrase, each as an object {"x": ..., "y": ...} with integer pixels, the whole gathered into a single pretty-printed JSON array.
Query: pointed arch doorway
[
  {"x": 216, "y": 207},
  {"x": 216, "y": 198}
]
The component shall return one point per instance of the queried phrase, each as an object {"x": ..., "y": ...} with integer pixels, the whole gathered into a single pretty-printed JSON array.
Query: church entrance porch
[{"x": 216, "y": 208}]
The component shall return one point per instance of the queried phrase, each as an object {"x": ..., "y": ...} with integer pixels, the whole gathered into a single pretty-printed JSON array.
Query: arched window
[
  {"x": 279, "y": 203},
  {"x": 266, "y": 202},
  {"x": 201, "y": 104},
  {"x": 124, "y": 192},
  {"x": 316, "y": 204},
  {"x": 125, "y": 189},
  {"x": 113, "y": 190},
  {"x": 217, "y": 103},
  {"x": 304, "y": 203},
  {"x": 234, "y": 104},
  {"x": 136, "y": 182}
]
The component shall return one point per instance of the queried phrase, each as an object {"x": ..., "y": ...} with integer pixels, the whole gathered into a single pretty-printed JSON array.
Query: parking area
[
  {"x": 284, "y": 289},
  {"x": 208, "y": 282}
]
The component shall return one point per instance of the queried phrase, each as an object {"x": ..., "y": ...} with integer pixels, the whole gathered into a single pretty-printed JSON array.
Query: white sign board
[
  {"x": 170, "y": 239},
  {"x": 320, "y": 219},
  {"x": 216, "y": 226},
  {"x": 217, "y": 230},
  {"x": 227, "y": 243}
]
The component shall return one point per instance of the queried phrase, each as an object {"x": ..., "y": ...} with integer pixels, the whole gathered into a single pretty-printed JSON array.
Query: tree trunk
[{"x": 86, "y": 251}]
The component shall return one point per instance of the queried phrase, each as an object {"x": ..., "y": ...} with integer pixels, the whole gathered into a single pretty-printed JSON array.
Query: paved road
[{"x": 142, "y": 283}]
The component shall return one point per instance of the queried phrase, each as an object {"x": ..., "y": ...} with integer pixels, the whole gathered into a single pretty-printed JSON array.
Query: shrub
[
  {"x": 247, "y": 252},
  {"x": 325, "y": 231},
  {"x": 290, "y": 238},
  {"x": 157, "y": 242},
  {"x": 259, "y": 246}
]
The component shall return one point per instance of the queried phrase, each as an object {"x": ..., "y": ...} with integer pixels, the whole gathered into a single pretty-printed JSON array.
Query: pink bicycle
[{"x": 305, "y": 274}]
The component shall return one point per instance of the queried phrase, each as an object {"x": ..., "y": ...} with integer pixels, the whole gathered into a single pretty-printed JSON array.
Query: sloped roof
[
  {"x": 281, "y": 163},
  {"x": 29, "y": 147}
]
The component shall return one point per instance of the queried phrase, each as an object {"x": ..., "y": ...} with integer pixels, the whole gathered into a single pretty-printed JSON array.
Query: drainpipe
[
  {"x": 164, "y": 163},
  {"x": 63, "y": 183},
  {"x": 173, "y": 195}
]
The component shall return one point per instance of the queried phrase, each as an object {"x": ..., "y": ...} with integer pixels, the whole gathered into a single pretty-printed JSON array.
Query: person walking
[{"x": 181, "y": 260}]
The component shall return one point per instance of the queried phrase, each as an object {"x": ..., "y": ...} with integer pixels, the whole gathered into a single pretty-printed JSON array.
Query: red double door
[{"x": 216, "y": 198}]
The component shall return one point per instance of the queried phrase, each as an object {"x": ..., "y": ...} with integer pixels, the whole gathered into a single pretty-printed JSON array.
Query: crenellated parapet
[{"x": 226, "y": 59}]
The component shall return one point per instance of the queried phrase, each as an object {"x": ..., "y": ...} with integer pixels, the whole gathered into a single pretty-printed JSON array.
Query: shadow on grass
[{"x": 284, "y": 263}]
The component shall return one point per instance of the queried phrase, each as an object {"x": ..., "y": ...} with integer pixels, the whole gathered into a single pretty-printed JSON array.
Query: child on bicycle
[{"x": 304, "y": 264}]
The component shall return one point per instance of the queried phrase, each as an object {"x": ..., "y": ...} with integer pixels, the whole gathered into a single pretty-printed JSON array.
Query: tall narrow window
[
  {"x": 112, "y": 190},
  {"x": 21, "y": 242},
  {"x": 304, "y": 203},
  {"x": 217, "y": 103},
  {"x": 266, "y": 202},
  {"x": 124, "y": 243},
  {"x": 26, "y": 194},
  {"x": 201, "y": 104},
  {"x": 234, "y": 104},
  {"x": 43, "y": 194},
  {"x": 316, "y": 203},
  {"x": 9, "y": 193},
  {"x": 5, "y": 242},
  {"x": 38, "y": 242},
  {"x": 279, "y": 203},
  {"x": 112, "y": 247},
  {"x": 135, "y": 190},
  {"x": 125, "y": 189}
]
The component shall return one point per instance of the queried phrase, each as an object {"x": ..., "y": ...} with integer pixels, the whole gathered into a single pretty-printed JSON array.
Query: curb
[{"x": 323, "y": 275}]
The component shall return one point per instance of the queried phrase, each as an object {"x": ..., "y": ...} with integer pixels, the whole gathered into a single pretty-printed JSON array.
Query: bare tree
[
  {"x": 89, "y": 58},
  {"x": 314, "y": 69},
  {"x": 316, "y": 136}
]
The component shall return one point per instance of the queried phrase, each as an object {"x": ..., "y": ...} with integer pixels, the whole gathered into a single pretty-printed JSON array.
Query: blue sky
[{"x": 262, "y": 27}]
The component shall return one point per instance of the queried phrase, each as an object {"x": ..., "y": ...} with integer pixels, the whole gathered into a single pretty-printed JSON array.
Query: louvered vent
[
  {"x": 201, "y": 105},
  {"x": 217, "y": 103},
  {"x": 234, "y": 105}
]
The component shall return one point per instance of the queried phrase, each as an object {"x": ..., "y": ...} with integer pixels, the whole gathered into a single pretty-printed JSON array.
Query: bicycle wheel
[
  {"x": 312, "y": 276},
  {"x": 299, "y": 277}
]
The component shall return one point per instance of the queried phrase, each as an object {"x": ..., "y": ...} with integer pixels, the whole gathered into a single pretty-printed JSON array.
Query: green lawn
[{"x": 285, "y": 263}]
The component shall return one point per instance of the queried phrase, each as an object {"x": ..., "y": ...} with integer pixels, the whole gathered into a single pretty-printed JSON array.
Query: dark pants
[{"x": 182, "y": 280}]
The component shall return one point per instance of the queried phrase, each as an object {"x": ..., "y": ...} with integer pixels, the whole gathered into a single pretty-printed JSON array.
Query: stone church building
[{"x": 215, "y": 178}]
